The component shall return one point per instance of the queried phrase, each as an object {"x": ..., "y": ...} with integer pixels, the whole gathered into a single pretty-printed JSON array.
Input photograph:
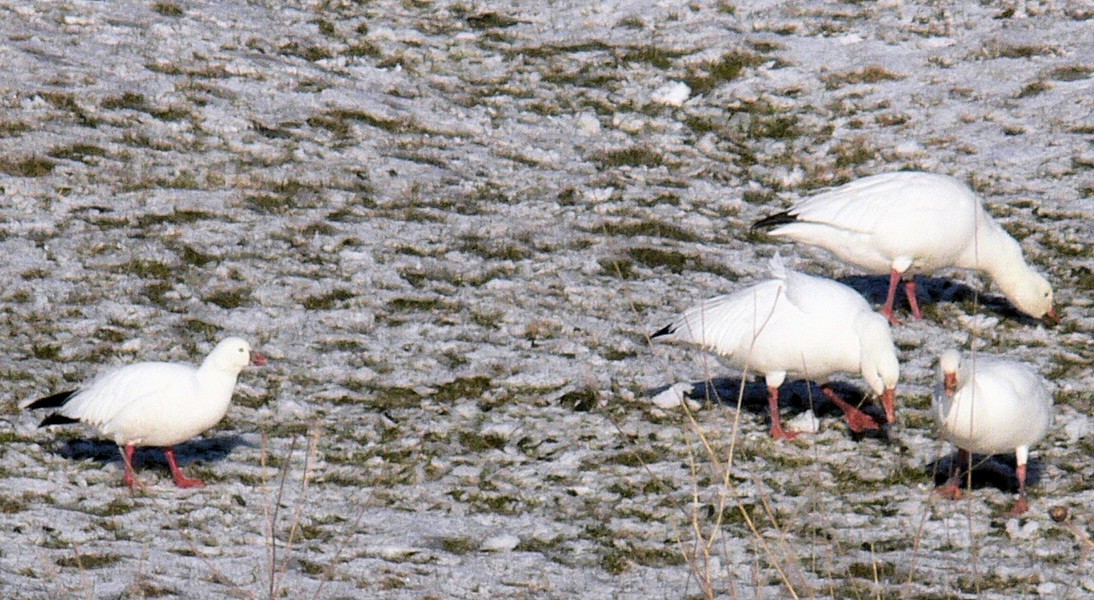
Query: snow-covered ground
[{"x": 451, "y": 226}]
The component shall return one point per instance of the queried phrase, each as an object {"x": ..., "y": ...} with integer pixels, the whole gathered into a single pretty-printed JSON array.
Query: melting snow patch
[
  {"x": 1016, "y": 530},
  {"x": 672, "y": 94},
  {"x": 500, "y": 543},
  {"x": 806, "y": 422},
  {"x": 978, "y": 322},
  {"x": 674, "y": 396},
  {"x": 1077, "y": 427}
]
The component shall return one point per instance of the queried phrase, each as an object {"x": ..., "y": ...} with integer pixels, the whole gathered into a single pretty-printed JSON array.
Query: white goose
[
  {"x": 990, "y": 405},
  {"x": 796, "y": 324},
  {"x": 155, "y": 403},
  {"x": 911, "y": 222}
]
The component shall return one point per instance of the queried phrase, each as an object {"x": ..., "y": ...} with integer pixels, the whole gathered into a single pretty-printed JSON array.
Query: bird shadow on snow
[
  {"x": 932, "y": 290},
  {"x": 998, "y": 471},
  {"x": 794, "y": 397},
  {"x": 212, "y": 449}
]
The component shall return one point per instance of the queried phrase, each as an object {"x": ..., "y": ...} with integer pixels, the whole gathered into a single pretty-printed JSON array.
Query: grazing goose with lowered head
[
  {"x": 911, "y": 222},
  {"x": 155, "y": 403},
  {"x": 796, "y": 324},
  {"x": 990, "y": 405}
]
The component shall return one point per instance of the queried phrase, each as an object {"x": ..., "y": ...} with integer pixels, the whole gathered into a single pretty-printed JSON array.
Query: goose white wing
[
  {"x": 823, "y": 298},
  {"x": 859, "y": 206},
  {"x": 887, "y": 220},
  {"x": 151, "y": 382},
  {"x": 728, "y": 323},
  {"x": 1000, "y": 405}
]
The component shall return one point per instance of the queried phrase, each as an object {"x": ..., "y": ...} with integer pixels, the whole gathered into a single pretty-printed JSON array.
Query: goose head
[
  {"x": 948, "y": 364},
  {"x": 232, "y": 354},
  {"x": 878, "y": 360}
]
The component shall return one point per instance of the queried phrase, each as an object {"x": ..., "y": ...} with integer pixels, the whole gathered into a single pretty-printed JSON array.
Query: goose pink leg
[
  {"x": 777, "y": 430},
  {"x": 1021, "y": 506},
  {"x": 858, "y": 420},
  {"x": 909, "y": 289},
  {"x": 180, "y": 480},
  {"x": 890, "y": 298},
  {"x": 952, "y": 489},
  {"x": 130, "y": 478}
]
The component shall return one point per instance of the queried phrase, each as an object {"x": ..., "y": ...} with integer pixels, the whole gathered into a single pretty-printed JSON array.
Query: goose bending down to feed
[
  {"x": 990, "y": 405},
  {"x": 799, "y": 325},
  {"x": 911, "y": 222},
  {"x": 155, "y": 403}
]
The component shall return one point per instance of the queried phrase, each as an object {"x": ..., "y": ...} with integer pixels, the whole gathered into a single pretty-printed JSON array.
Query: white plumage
[
  {"x": 799, "y": 325},
  {"x": 910, "y": 222},
  {"x": 990, "y": 405},
  {"x": 156, "y": 403}
]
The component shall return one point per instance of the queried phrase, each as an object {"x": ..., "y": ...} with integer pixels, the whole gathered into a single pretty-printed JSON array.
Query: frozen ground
[{"x": 452, "y": 225}]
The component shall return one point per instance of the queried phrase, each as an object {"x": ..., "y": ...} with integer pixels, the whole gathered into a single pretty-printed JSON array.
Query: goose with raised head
[
  {"x": 155, "y": 403},
  {"x": 990, "y": 405}
]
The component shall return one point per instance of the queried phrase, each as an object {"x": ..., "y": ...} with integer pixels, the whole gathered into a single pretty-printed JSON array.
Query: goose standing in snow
[
  {"x": 796, "y": 324},
  {"x": 911, "y": 222},
  {"x": 990, "y": 405},
  {"x": 155, "y": 403}
]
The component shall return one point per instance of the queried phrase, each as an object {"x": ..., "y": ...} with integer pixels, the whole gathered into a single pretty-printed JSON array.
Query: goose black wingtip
[
  {"x": 774, "y": 220},
  {"x": 55, "y": 401}
]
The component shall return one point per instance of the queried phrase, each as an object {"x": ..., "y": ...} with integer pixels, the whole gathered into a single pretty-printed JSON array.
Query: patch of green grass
[
  {"x": 583, "y": 400},
  {"x": 998, "y": 49},
  {"x": 78, "y": 152},
  {"x": 1033, "y": 89},
  {"x": 34, "y": 166},
  {"x": 490, "y": 20},
  {"x": 854, "y": 152},
  {"x": 494, "y": 248},
  {"x": 269, "y": 204},
  {"x": 128, "y": 101},
  {"x": 308, "y": 52},
  {"x": 88, "y": 561},
  {"x": 171, "y": 114},
  {"x": 639, "y": 456},
  {"x": 403, "y": 304},
  {"x": 168, "y": 9},
  {"x": 363, "y": 49},
  {"x": 325, "y": 27},
  {"x": 13, "y": 128},
  {"x": 1071, "y": 73},
  {"x": 230, "y": 298},
  {"x": 397, "y": 397},
  {"x": 774, "y": 125},
  {"x": 616, "y": 561},
  {"x": 13, "y": 505},
  {"x": 176, "y": 217},
  {"x": 328, "y": 300},
  {"x": 651, "y": 228},
  {"x": 622, "y": 268},
  {"x": 338, "y": 122},
  {"x": 203, "y": 328},
  {"x": 49, "y": 352},
  {"x": 476, "y": 442},
  {"x": 632, "y": 156},
  {"x": 463, "y": 387},
  {"x": 727, "y": 68},
  {"x": 489, "y": 319},
  {"x": 651, "y": 55},
  {"x": 673, "y": 260},
  {"x": 661, "y": 556},
  {"x": 867, "y": 74}
]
